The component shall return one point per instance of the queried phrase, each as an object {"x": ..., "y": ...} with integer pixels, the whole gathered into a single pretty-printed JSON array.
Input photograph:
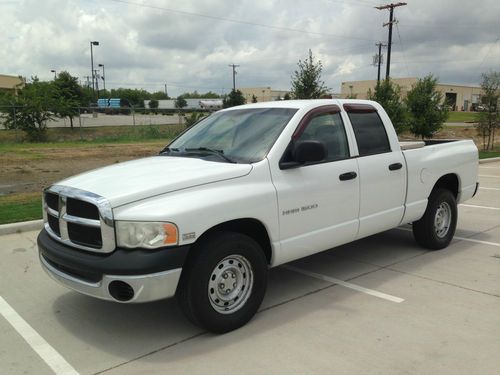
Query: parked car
[{"x": 246, "y": 189}]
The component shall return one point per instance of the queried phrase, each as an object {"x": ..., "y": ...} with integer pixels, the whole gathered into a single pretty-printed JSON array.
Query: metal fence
[{"x": 90, "y": 123}]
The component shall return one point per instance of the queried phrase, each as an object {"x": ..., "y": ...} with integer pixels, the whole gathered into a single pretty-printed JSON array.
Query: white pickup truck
[{"x": 246, "y": 189}]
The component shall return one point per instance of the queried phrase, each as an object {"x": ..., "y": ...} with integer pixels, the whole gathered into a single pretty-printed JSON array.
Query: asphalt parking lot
[{"x": 380, "y": 305}]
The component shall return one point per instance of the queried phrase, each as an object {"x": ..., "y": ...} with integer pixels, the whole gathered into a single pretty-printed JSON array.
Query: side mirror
[{"x": 307, "y": 151}]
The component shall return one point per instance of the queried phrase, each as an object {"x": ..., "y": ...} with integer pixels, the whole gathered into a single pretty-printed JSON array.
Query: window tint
[
  {"x": 329, "y": 129},
  {"x": 370, "y": 133}
]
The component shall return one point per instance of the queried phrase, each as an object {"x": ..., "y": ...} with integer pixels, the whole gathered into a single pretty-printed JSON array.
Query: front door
[{"x": 318, "y": 203}]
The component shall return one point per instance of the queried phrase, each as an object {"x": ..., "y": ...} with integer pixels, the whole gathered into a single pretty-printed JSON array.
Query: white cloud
[{"x": 163, "y": 41}]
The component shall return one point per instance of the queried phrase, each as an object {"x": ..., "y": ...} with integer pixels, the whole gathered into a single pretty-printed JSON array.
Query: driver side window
[{"x": 329, "y": 129}]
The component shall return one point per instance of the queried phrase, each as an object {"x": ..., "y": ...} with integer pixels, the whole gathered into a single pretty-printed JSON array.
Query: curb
[
  {"x": 488, "y": 160},
  {"x": 24, "y": 226}
]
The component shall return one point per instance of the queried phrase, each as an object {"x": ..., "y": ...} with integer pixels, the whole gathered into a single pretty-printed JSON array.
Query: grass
[
  {"x": 96, "y": 135},
  {"x": 462, "y": 117},
  {"x": 489, "y": 154},
  {"x": 20, "y": 207}
]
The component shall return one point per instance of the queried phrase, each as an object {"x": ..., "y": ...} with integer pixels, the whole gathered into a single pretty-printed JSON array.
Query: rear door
[{"x": 382, "y": 172}]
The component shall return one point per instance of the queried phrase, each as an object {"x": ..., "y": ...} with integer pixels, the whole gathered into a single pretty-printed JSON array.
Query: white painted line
[
  {"x": 51, "y": 357},
  {"x": 488, "y": 175},
  {"x": 462, "y": 238},
  {"x": 332, "y": 280},
  {"x": 485, "y": 207},
  {"x": 486, "y": 188}
]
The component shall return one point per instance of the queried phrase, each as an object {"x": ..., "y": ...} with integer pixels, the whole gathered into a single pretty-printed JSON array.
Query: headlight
[{"x": 148, "y": 235}]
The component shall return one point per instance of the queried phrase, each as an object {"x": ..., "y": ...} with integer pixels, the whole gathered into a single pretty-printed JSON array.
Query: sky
[{"x": 189, "y": 44}]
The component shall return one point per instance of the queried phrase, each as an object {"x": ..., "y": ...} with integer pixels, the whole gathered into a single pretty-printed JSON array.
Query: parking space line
[
  {"x": 50, "y": 356},
  {"x": 332, "y": 280},
  {"x": 475, "y": 206},
  {"x": 488, "y": 175},
  {"x": 488, "y": 188},
  {"x": 489, "y": 167},
  {"x": 462, "y": 238}
]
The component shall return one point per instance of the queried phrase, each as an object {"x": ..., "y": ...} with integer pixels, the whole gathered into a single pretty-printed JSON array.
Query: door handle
[
  {"x": 348, "y": 176},
  {"x": 395, "y": 166}
]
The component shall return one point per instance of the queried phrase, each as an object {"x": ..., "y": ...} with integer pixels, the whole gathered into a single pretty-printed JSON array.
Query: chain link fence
[{"x": 91, "y": 123}]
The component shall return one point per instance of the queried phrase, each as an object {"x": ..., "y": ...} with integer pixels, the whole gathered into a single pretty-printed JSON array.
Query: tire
[
  {"x": 223, "y": 282},
  {"x": 436, "y": 228}
]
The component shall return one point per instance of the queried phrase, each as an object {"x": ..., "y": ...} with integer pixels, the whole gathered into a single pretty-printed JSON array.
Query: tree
[
  {"x": 180, "y": 103},
  {"x": 70, "y": 96},
  {"x": 388, "y": 95},
  {"x": 234, "y": 98},
  {"x": 306, "y": 81},
  {"x": 254, "y": 99},
  {"x": 32, "y": 108},
  {"x": 153, "y": 104},
  {"x": 287, "y": 97},
  {"x": 489, "y": 119},
  {"x": 426, "y": 114}
]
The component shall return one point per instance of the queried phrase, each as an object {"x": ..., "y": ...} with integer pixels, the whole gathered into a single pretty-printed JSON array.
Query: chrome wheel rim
[
  {"x": 442, "y": 219},
  {"x": 230, "y": 284}
]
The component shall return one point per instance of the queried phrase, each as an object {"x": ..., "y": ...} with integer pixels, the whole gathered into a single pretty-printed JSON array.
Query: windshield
[{"x": 241, "y": 136}]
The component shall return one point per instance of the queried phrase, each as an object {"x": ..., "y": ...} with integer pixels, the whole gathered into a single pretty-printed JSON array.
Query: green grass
[
  {"x": 96, "y": 135},
  {"x": 462, "y": 116},
  {"x": 489, "y": 154},
  {"x": 20, "y": 207}
]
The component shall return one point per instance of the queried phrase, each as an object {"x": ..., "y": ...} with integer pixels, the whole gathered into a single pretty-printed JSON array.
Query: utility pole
[
  {"x": 88, "y": 81},
  {"x": 378, "y": 58},
  {"x": 234, "y": 75},
  {"x": 166, "y": 94},
  {"x": 389, "y": 42},
  {"x": 96, "y": 75},
  {"x": 92, "y": 43}
]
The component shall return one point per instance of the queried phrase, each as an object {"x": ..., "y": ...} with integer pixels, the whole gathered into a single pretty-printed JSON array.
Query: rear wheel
[
  {"x": 223, "y": 282},
  {"x": 436, "y": 228}
]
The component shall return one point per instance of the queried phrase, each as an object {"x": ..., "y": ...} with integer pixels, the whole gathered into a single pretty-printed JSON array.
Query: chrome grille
[{"x": 79, "y": 218}]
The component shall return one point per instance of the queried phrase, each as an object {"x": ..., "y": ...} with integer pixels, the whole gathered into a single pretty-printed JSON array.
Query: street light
[
  {"x": 93, "y": 43},
  {"x": 55, "y": 74},
  {"x": 103, "y": 77}
]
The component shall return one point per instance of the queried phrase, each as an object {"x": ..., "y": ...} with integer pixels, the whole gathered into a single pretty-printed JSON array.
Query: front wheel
[
  {"x": 223, "y": 282},
  {"x": 436, "y": 228}
]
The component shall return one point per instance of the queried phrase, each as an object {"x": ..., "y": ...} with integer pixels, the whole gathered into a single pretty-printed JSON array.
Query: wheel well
[
  {"x": 251, "y": 227},
  {"x": 449, "y": 182}
]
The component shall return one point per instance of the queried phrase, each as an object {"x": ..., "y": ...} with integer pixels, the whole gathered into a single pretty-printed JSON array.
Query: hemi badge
[{"x": 188, "y": 236}]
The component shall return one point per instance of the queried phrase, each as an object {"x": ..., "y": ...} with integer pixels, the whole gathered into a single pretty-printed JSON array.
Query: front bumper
[{"x": 125, "y": 275}]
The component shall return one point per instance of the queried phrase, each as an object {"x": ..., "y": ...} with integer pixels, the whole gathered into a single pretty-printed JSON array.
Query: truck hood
[{"x": 138, "y": 179}]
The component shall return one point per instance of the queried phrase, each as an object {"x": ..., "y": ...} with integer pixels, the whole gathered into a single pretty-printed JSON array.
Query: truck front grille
[{"x": 78, "y": 218}]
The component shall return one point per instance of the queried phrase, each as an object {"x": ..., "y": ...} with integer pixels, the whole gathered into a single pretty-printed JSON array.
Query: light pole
[
  {"x": 55, "y": 74},
  {"x": 103, "y": 78},
  {"x": 93, "y": 43}
]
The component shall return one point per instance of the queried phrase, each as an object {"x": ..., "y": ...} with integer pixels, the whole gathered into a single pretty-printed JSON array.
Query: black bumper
[{"x": 91, "y": 266}]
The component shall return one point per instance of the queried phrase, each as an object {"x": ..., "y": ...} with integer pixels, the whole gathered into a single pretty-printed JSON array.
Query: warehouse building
[
  {"x": 11, "y": 83},
  {"x": 458, "y": 97},
  {"x": 263, "y": 94}
]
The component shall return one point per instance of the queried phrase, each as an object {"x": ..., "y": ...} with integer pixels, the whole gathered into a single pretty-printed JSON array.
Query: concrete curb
[
  {"x": 488, "y": 160},
  {"x": 24, "y": 226}
]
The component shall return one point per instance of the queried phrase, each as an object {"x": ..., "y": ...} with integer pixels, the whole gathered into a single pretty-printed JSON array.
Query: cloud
[{"x": 189, "y": 44}]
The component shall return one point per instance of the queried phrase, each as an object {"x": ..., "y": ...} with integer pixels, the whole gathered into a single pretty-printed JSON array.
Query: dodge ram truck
[{"x": 246, "y": 189}]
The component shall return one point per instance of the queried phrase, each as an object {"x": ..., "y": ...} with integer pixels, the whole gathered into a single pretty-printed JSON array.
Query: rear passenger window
[{"x": 370, "y": 133}]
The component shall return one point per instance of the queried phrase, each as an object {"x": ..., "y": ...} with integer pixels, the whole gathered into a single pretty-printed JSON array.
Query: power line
[
  {"x": 403, "y": 50},
  {"x": 488, "y": 52},
  {"x": 389, "y": 41},
  {"x": 225, "y": 19}
]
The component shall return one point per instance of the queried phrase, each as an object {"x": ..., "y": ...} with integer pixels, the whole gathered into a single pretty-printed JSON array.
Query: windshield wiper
[
  {"x": 167, "y": 150},
  {"x": 219, "y": 153}
]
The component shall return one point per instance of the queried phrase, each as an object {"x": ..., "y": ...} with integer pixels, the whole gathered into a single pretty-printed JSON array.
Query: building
[
  {"x": 11, "y": 83},
  {"x": 196, "y": 103},
  {"x": 263, "y": 94},
  {"x": 458, "y": 97}
]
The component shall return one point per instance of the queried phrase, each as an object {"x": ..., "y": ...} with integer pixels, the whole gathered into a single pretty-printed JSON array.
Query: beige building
[
  {"x": 10, "y": 83},
  {"x": 458, "y": 97},
  {"x": 263, "y": 94}
]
